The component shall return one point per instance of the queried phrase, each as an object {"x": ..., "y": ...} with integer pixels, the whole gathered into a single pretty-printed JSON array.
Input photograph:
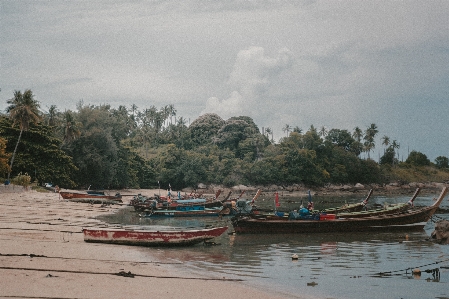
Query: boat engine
[{"x": 244, "y": 207}]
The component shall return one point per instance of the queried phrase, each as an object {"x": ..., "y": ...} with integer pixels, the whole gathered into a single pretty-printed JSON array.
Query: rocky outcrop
[{"x": 441, "y": 232}]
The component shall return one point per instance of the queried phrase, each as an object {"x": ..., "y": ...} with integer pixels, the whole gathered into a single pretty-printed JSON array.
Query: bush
[{"x": 22, "y": 180}]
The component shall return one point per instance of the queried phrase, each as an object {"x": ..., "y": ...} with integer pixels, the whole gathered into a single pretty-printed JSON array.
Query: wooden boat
[
  {"x": 411, "y": 219},
  {"x": 354, "y": 207},
  {"x": 248, "y": 207},
  {"x": 174, "y": 237},
  {"x": 184, "y": 211},
  {"x": 386, "y": 210},
  {"x": 90, "y": 195},
  {"x": 142, "y": 203}
]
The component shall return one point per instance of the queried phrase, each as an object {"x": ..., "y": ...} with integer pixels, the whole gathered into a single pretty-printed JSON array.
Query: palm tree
[
  {"x": 370, "y": 134},
  {"x": 297, "y": 130},
  {"x": 172, "y": 111},
  {"x": 313, "y": 129},
  {"x": 133, "y": 110},
  {"x": 181, "y": 121},
  {"x": 268, "y": 131},
  {"x": 23, "y": 110},
  {"x": 51, "y": 116},
  {"x": 70, "y": 127},
  {"x": 395, "y": 145},
  {"x": 371, "y": 131},
  {"x": 323, "y": 132},
  {"x": 385, "y": 141},
  {"x": 287, "y": 128},
  {"x": 358, "y": 134}
]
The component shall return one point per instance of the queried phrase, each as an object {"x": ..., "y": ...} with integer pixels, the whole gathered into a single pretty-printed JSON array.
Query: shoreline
[
  {"x": 43, "y": 255},
  {"x": 42, "y": 248}
]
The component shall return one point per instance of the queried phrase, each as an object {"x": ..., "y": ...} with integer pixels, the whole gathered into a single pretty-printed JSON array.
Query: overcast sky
[{"x": 338, "y": 64}]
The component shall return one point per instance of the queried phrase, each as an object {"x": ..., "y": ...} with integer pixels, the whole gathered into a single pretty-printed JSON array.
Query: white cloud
[{"x": 250, "y": 78}]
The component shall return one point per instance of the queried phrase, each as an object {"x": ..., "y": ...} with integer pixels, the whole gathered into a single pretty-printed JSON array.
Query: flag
[
  {"x": 276, "y": 199},
  {"x": 310, "y": 204}
]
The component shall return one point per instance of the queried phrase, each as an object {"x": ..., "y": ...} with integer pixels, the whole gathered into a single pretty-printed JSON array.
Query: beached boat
[
  {"x": 410, "y": 219},
  {"x": 96, "y": 195},
  {"x": 175, "y": 237}
]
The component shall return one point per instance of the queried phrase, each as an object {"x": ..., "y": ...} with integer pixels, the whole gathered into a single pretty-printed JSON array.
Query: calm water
[{"x": 329, "y": 265}]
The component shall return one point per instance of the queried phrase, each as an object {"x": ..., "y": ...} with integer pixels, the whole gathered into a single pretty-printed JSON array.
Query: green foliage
[
  {"x": 408, "y": 173},
  {"x": 22, "y": 180},
  {"x": 96, "y": 156},
  {"x": 132, "y": 171},
  {"x": 23, "y": 111},
  {"x": 4, "y": 156},
  {"x": 344, "y": 166},
  {"x": 341, "y": 138},
  {"x": 442, "y": 162},
  {"x": 39, "y": 154},
  {"x": 417, "y": 159},
  {"x": 388, "y": 157},
  {"x": 370, "y": 172},
  {"x": 204, "y": 129},
  {"x": 300, "y": 166},
  {"x": 103, "y": 147}
]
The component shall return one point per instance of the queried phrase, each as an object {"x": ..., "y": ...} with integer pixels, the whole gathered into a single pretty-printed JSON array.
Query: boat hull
[
  {"x": 185, "y": 213},
  {"x": 86, "y": 196},
  {"x": 411, "y": 219},
  {"x": 152, "y": 238},
  {"x": 408, "y": 220}
]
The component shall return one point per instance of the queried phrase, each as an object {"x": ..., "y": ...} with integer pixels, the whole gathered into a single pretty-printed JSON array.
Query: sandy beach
[{"x": 43, "y": 255}]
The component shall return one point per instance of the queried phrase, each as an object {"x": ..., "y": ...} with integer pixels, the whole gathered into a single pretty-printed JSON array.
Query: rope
[{"x": 411, "y": 268}]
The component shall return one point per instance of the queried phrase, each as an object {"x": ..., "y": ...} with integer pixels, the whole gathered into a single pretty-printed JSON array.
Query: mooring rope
[{"x": 411, "y": 268}]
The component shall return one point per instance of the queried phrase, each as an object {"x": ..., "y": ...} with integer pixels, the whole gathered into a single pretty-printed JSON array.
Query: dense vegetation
[{"x": 104, "y": 147}]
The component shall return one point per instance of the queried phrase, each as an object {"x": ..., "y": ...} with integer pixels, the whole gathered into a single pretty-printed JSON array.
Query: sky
[{"x": 337, "y": 64}]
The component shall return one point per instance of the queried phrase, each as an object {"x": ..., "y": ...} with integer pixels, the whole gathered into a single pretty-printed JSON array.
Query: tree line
[{"x": 105, "y": 147}]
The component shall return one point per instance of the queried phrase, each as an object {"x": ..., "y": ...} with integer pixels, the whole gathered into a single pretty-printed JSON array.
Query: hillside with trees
[{"x": 128, "y": 147}]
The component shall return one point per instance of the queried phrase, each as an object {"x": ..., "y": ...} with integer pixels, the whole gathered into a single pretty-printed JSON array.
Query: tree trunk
[{"x": 14, "y": 154}]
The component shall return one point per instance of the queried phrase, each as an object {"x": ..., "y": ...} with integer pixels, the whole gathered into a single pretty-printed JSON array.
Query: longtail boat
[
  {"x": 410, "y": 219},
  {"x": 184, "y": 211},
  {"x": 90, "y": 195},
  {"x": 248, "y": 207},
  {"x": 175, "y": 237},
  {"x": 143, "y": 203},
  {"x": 354, "y": 207},
  {"x": 386, "y": 210}
]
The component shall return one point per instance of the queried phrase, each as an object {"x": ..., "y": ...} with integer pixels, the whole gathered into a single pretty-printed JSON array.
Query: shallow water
[{"x": 355, "y": 265}]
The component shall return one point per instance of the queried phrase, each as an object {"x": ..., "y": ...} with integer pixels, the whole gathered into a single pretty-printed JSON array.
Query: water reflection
[{"x": 356, "y": 265}]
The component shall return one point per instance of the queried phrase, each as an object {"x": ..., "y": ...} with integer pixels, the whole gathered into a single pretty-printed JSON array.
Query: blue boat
[{"x": 184, "y": 211}]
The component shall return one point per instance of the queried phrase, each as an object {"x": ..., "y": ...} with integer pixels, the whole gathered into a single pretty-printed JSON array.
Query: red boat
[
  {"x": 91, "y": 195},
  {"x": 175, "y": 237}
]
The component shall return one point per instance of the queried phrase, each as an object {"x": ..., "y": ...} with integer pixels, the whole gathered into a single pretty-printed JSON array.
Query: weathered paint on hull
[
  {"x": 72, "y": 195},
  {"x": 152, "y": 238},
  {"x": 188, "y": 213}
]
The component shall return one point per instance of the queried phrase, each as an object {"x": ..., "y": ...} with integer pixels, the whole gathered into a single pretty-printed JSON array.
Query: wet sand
[{"x": 43, "y": 255}]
